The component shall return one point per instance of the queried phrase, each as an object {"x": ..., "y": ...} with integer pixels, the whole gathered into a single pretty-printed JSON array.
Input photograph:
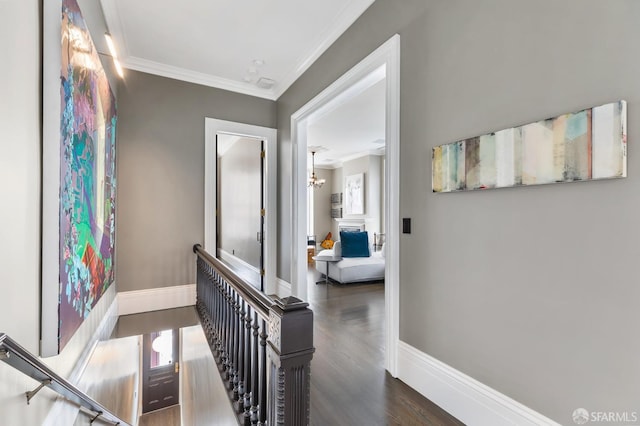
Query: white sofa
[{"x": 352, "y": 269}]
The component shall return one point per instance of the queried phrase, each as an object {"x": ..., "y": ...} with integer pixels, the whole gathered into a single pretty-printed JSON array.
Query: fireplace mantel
[{"x": 352, "y": 223}]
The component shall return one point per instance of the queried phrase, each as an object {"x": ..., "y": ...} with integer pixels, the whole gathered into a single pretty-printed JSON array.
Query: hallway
[{"x": 349, "y": 385}]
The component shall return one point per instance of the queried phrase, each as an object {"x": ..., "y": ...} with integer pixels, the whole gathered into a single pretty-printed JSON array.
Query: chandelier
[{"x": 313, "y": 179}]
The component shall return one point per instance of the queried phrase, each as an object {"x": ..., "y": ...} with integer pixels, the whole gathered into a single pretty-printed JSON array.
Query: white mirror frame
[{"x": 215, "y": 127}]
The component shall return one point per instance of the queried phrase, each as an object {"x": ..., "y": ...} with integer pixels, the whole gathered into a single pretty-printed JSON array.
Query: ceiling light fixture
[
  {"x": 265, "y": 83},
  {"x": 112, "y": 47},
  {"x": 313, "y": 180},
  {"x": 118, "y": 67},
  {"x": 114, "y": 54}
]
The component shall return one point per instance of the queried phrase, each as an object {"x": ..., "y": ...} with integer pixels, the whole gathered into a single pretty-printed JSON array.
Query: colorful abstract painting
[
  {"x": 586, "y": 145},
  {"x": 87, "y": 176}
]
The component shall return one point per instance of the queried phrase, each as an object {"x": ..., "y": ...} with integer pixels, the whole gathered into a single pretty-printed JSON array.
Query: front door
[{"x": 160, "y": 374}]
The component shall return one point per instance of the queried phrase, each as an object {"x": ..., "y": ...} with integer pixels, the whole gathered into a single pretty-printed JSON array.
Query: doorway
[
  {"x": 160, "y": 370},
  {"x": 219, "y": 136},
  {"x": 385, "y": 59},
  {"x": 240, "y": 201}
]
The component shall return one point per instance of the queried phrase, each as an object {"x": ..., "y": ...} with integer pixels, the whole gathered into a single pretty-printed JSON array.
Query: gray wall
[
  {"x": 20, "y": 86},
  {"x": 160, "y": 160},
  {"x": 354, "y": 167},
  {"x": 532, "y": 291},
  {"x": 322, "y": 221},
  {"x": 20, "y": 173}
]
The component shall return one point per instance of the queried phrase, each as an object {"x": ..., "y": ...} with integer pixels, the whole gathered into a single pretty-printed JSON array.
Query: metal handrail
[
  {"x": 22, "y": 360},
  {"x": 257, "y": 299}
]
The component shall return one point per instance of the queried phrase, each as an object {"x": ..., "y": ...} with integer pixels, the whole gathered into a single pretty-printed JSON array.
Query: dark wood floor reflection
[
  {"x": 349, "y": 385},
  {"x": 169, "y": 416}
]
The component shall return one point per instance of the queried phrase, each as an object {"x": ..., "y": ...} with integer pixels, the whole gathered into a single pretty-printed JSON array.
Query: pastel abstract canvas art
[{"x": 585, "y": 145}]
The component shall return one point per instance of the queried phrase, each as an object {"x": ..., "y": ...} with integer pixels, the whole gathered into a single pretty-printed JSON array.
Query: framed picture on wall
[{"x": 354, "y": 194}]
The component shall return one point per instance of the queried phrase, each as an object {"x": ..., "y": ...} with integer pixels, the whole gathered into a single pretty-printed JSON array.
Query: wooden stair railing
[{"x": 263, "y": 345}]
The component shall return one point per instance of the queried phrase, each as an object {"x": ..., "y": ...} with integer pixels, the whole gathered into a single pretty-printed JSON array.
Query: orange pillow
[{"x": 327, "y": 243}]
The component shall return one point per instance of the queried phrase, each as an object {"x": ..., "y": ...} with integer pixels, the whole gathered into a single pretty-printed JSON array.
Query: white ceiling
[
  {"x": 215, "y": 42},
  {"x": 354, "y": 128}
]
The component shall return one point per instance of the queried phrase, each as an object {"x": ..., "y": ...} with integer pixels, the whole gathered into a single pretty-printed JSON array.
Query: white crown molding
[
  {"x": 331, "y": 166},
  {"x": 462, "y": 396},
  {"x": 373, "y": 152},
  {"x": 340, "y": 162},
  {"x": 157, "y": 68},
  {"x": 346, "y": 17}
]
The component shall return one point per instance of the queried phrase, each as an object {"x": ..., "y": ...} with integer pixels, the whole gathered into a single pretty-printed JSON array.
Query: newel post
[{"x": 290, "y": 349}]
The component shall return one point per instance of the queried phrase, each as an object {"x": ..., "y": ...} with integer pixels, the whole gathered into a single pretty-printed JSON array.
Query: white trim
[
  {"x": 386, "y": 57},
  {"x": 63, "y": 412},
  {"x": 269, "y": 135},
  {"x": 184, "y": 74},
  {"x": 284, "y": 288},
  {"x": 155, "y": 299},
  {"x": 463, "y": 397},
  {"x": 392, "y": 205},
  {"x": 50, "y": 177}
]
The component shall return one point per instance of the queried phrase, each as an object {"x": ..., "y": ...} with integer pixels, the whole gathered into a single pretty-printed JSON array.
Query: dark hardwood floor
[{"x": 349, "y": 385}]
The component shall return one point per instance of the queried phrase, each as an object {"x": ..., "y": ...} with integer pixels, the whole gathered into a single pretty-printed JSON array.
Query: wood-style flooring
[{"x": 349, "y": 385}]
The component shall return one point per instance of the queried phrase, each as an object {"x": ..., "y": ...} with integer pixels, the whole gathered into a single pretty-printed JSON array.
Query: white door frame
[
  {"x": 215, "y": 127},
  {"x": 387, "y": 58}
]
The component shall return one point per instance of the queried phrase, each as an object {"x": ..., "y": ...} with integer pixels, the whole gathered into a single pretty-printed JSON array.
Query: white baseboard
[
  {"x": 155, "y": 299},
  {"x": 463, "y": 397}
]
